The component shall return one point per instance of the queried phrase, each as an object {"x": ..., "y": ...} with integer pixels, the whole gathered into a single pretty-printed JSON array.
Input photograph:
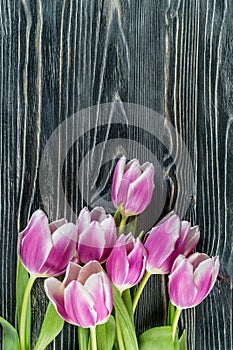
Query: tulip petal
[
  {"x": 132, "y": 161},
  {"x": 137, "y": 260},
  {"x": 55, "y": 292},
  {"x": 110, "y": 236},
  {"x": 64, "y": 247},
  {"x": 117, "y": 177},
  {"x": 98, "y": 214},
  {"x": 84, "y": 219},
  {"x": 36, "y": 235},
  {"x": 181, "y": 287},
  {"x": 94, "y": 285},
  {"x": 183, "y": 237},
  {"x": 144, "y": 166},
  {"x": 140, "y": 192},
  {"x": 107, "y": 291},
  {"x": 194, "y": 236},
  {"x": 91, "y": 243},
  {"x": 203, "y": 279},
  {"x": 186, "y": 242},
  {"x": 196, "y": 258},
  {"x": 72, "y": 273},
  {"x": 177, "y": 262},
  {"x": 79, "y": 305},
  {"x": 215, "y": 269},
  {"x": 117, "y": 263},
  {"x": 130, "y": 175},
  {"x": 53, "y": 226},
  {"x": 160, "y": 244},
  {"x": 132, "y": 171},
  {"x": 188, "y": 239},
  {"x": 90, "y": 268},
  {"x": 108, "y": 224}
]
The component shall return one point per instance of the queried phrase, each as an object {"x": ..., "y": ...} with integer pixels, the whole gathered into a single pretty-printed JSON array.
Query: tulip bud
[
  {"x": 132, "y": 186},
  {"x": 46, "y": 249},
  {"x": 169, "y": 238},
  {"x": 192, "y": 279},
  {"x": 84, "y": 298},
  {"x": 127, "y": 262},
  {"x": 96, "y": 235}
]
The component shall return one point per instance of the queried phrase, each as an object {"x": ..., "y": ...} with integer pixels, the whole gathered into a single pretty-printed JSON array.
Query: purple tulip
[
  {"x": 84, "y": 298},
  {"x": 132, "y": 186},
  {"x": 192, "y": 279},
  {"x": 127, "y": 262},
  {"x": 169, "y": 238},
  {"x": 96, "y": 235},
  {"x": 46, "y": 249}
]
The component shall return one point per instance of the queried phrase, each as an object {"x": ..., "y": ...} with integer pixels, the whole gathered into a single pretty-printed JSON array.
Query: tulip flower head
[
  {"x": 46, "y": 249},
  {"x": 84, "y": 298},
  {"x": 192, "y": 279},
  {"x": 132, "y": 186},
  {"x": 127, "y": 262},
  {"x": 96, "y": 235},
  {"x": 169, "y": 238}
]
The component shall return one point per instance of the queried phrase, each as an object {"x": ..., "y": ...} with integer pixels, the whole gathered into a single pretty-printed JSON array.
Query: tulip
[
  {"x": 169, "y": 238},
  {"x": 46, "y": 249},
  {"x": 84, "y": 298},
  {"x": 192, "y": 279},
  {"x": 96, "y": 235},
  {"x": 132, "y": 186},
  {"x": 127, "y": 262}
]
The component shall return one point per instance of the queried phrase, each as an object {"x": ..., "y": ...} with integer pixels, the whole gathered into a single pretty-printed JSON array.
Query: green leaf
[
  {"x": 182, "y": 341},
  {"x": 117, "y": 217},
  {"x": 51, "y": 327},
  {"x": 125, "y": 321},
  {"x": 83, "y": 338},
  {"x": 126, "y": 296},
  {"x": 11, "y": 339},
  {"x": 132, "y": 225},
  {"x": 22, "y": 279},
  {"x": 158, "y": 338},
  {"x": 171, "y": 313},
  {"x": 105, "y": 335}
]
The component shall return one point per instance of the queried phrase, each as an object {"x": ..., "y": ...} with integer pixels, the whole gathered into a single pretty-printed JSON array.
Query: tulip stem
[
  {"x": 93, "y": 338},
  {"x": 122, "y": 224},
  {"x": 140, "y": 289},
  {"x": 175, "y": 322},
  {"x": 23, "y": 318},
  {"x": 119, "y": 334}
]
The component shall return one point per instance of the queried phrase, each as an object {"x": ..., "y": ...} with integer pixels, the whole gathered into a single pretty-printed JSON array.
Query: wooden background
[{"x": 58, "y": 57}]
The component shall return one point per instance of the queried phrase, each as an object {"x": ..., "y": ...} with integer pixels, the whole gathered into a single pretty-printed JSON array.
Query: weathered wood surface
[{"x": 58, "y": 57}]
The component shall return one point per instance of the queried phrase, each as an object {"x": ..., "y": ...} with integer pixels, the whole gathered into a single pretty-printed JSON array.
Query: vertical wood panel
[{"x": 58, "y": 57}]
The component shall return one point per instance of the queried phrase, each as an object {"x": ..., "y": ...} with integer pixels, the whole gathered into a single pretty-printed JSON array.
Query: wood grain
[{"x": 175, "y": 57}]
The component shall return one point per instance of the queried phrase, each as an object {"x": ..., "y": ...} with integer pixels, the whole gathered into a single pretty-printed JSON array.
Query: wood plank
[{"x": 175, "y": 57}]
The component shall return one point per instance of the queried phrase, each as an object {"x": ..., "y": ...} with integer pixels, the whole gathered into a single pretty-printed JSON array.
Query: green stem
[
  {"x": 93, "y": 338},
  {"x": 175, "y": 322},
  {"x": 122, "y": 224},
  {"x": 140, "y": 289},
  {"x": 141, "y": 234},
  {"x": 117, "y": 212},
  {"x": 119, "y": 334},
  {"x": 23, "y": 318}
]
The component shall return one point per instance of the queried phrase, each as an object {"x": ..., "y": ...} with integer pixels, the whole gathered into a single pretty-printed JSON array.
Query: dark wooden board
[{"x": 175, "y": 57}]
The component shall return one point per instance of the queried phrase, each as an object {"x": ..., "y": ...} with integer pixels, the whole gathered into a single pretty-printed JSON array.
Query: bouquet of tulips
[{"x": 95, "y": 271}]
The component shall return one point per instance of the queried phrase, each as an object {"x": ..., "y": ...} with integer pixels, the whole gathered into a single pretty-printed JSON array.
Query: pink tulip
[
  {"x": 132, "y": 186},
  {"x": 46, "y": 249},
  {"x": 84, "y": 298},
  {"x": 96, "y": 235},
  {"x": 127, "y": 262},
  {"x": 169, "y": 238},
  {"x": 192, "y": 279}
]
